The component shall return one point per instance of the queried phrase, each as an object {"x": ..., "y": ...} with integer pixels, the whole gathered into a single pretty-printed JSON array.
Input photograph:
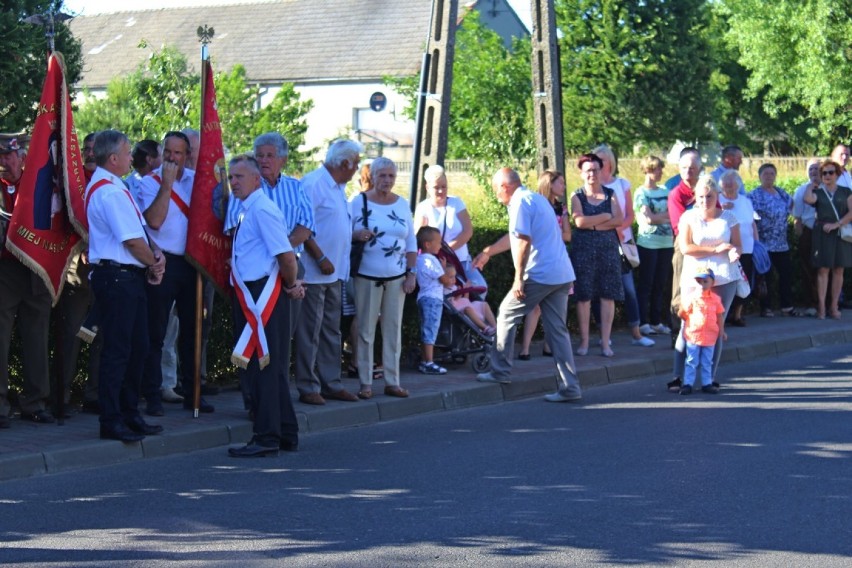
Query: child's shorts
[{"x": 430, "y": 318}]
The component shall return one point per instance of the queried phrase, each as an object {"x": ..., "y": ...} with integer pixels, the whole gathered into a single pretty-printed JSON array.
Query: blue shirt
[
  {"x": 531, "y": 215},
  {"x": 290, "y": 199}
]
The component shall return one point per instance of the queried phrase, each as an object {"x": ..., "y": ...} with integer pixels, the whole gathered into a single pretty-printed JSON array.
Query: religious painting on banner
[
  {"x": 207, "y": 248},
  {"x": 49, "y": 224}
]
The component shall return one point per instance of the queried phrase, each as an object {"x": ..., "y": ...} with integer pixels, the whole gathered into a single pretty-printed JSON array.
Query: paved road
[{"x": 757, "y": 476}]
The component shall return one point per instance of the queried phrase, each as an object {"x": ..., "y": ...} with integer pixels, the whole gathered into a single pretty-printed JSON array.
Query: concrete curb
[{"x": 594, "y": 371}]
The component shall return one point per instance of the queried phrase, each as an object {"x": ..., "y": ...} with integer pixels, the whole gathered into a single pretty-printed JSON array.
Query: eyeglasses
[{"x": 829, "y": 172}]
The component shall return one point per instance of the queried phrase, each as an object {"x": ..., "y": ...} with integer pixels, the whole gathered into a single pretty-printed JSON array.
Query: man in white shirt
[
  {"x": 165, "y": 195},
  {"x": 544, "y": 277},
  {"x": 264, "y": 275},
  {"x": 122, "y": 259},
  {"x": 731, "y": 159},
  {"x": 840, "y": 154},
  {"x": 317, "y": 334}
]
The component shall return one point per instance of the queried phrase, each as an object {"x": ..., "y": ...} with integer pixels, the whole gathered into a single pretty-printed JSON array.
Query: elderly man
[
  {"x": 544, "y": 277},
  {"x": 263, "y": 266},
  {"x": 840, "y": 154},
  {"x": 317, "y": 337},
  {"x": 732, "y": 158},
  {"x": 122, "y": 260},
  {"x": 271, "y": 151},
  {"x": 165, "y": 195},
  {"x": 23, "y": 296}
]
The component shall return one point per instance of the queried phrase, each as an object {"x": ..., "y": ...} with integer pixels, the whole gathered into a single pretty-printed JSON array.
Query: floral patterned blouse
[
  {"x": 773, "y": 211},
  {"x": 393, "y": 229}
]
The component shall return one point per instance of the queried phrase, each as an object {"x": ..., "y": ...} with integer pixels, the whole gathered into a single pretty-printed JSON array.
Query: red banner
[
  {"x": 207, "y": 248},
  {"x": 49, "y": 221}
]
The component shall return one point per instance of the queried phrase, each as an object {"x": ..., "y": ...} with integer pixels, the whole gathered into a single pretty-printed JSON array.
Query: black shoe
[
  {"x": 524, "y": 357},
  {"x": 203, "y": 406},
  {"x": 289, "y": 446},
  {"x": 5, "y": 422},
  {"x": 39, "y": 417},
  {"x": 91, "y": 407},
  {"x": 155, "y": 409},
  {"x": 686, "y": 389},
  {"x": 139, "y": 426},
  {"x": 252, "y": 450},
  {"x": 710, "y": 389},
  {"x": 674, "y": 385},
  {"x": 546, "y": 353},
  {"x": 121, "y": 433}
]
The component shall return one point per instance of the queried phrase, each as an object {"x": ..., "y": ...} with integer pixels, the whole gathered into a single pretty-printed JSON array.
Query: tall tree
[
  {"x": 23, "y": 64},
  {"x": 634, "y": 72},
  {"x": 799, "y": 54}
]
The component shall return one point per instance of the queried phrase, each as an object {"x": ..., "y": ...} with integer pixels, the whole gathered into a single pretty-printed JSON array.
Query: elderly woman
[
  {"x": 594, "y": 252},
  {"x": 551, "y": 185},
  {"x": 708, "y": 237},
  {"x": 449, "y": 215},
  {"x": 773, "y": 206},
  {"x": 385, "y": 275},
  {"x": 732, "y": 200},
  {"x": 831, "y": 254},
  {"x": 621, "y": 188}
]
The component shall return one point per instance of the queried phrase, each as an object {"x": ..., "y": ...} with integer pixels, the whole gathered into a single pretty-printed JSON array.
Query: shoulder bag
[{"x": 357, "y": 250}]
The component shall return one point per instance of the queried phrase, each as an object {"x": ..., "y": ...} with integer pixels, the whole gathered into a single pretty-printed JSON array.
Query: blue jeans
[
  {"x": 726, "y": 292},
  {"x": 430, "y": 318},
  {"x": 698, "y": 356}
]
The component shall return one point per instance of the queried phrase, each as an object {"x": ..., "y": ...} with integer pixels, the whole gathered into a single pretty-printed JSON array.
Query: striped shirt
[{"x": 290, "y": 199}]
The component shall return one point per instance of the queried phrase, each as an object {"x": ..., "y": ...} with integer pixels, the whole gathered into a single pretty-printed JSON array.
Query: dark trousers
[
  {"x": 269, "y": 388},
  {"x": 783, "y": 266},
  {"x": 655, "y": 270},
  {"x": 123, "y": 324},
  {"x": 178, "y": 287},
  {"x": 71, "y": 311},
  {"x": 808, "y": 272}
]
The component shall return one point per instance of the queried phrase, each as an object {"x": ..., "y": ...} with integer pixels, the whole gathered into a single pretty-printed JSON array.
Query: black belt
[{"x": 119, "y": 266}]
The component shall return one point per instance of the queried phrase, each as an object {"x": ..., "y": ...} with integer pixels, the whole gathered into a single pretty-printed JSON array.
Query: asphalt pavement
[{"x": 28, "y": 449}]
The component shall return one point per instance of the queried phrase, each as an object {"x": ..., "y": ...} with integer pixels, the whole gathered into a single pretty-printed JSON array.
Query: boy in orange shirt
[{"x": 703, "y": 320}]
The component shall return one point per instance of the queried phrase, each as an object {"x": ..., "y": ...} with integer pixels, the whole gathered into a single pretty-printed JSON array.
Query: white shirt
[
  {"x": 845, "y": 179},
  {"x": 744, "y": 212},
  {"x": 393, "y": 229},
  {"x": 531, "y": 215},
  {"x": 332, "y": 225},
  {"x": 113, "y": 218},
  {"x": 802, "y": 210},
  {"x": 259, "y": 237},
  {"x": 708, "y": 233},
  {"x": 171, "y": 236},
  {"x": 621, "y": 189},
  {"x": 429, "y": 269},
  {"x": 445, "y": 217}
]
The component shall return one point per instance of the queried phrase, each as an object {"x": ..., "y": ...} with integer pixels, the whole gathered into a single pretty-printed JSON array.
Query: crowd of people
[{"x": 305, "y": 255}]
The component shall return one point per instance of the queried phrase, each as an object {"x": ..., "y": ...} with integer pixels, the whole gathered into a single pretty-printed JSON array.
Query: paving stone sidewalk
[{"x": 28, "y": 449}]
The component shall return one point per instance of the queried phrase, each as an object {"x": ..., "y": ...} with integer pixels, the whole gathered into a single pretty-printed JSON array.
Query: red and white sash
[
  {"x": 176, "y": 199},
  {"x": 253, "y": 338}
]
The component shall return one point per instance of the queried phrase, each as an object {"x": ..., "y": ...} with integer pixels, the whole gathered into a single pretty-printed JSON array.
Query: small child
[
  {"x": 477, "y": 311},
  {"x": 703, "y": 321},
  {"x": 431, "y": 278}
]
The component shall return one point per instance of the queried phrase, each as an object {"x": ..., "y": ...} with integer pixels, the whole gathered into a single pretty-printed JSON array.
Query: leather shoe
[
  {"x": 398, "y": 392},
  {"x": 121, "y": 433},
  {"x": 169, "y": 395},
  {"x": 203, "y": 406},
  {"x": 289, "y": 446},
  {"x": 314, "y": 398},
  {"x": 139, "y": 426},
  {"x": 252, "y": 450},
  {"x": 154, "y": 409},
  {"x": 341, "y": 394}
]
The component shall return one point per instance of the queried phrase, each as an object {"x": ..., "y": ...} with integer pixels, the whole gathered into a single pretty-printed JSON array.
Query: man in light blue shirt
[
  {"x": 544, "y": 277},
  {"x": 732, "y": 158}
]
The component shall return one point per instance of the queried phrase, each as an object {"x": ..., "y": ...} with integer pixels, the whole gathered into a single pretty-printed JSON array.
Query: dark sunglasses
[{"x": 829, "y": 172}]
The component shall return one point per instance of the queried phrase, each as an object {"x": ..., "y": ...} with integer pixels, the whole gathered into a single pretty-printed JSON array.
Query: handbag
[
  {"x": 357, "y": 250},
  {"x": 743, "y": 287},
  {"x": 631, "y": 252},
  {"x": 845, "y": 230}
]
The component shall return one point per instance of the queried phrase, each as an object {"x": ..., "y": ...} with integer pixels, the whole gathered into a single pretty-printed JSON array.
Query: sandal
[
  {"x": 39, "y": 416},
  {"x": 767, "y": 313},
  {"x": 366, "y": 393},
  {"x": 793, "y": 312},
  {"x": 835, "y": 314}
]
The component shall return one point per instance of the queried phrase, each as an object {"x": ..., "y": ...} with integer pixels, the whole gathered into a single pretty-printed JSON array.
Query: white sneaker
[
  {"x": 489, "y": 378},
  {"x": 559, "y": 397},
  {"x": 600, "y": 342},
  {"x": 660, "y": 329},
  {"x": 169, "y": 395},
  {"x": 643, "y": 342},
  {"x": 646, "y": 329}
]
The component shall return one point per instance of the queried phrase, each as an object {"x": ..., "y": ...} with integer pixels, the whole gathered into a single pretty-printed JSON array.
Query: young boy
[
  {"x": 477, "y": 311},
  {"x": 431, "y": 278},
  {"x": 703, "y": 321}
]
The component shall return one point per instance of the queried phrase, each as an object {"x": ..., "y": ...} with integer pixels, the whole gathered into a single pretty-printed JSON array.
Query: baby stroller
[{"x": 458, "y": 337}]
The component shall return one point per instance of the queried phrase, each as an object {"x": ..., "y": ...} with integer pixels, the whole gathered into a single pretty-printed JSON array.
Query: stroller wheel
[{"x": 481, "y": 363}]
